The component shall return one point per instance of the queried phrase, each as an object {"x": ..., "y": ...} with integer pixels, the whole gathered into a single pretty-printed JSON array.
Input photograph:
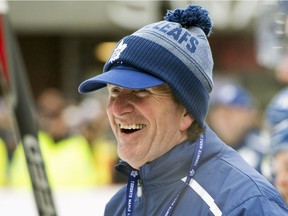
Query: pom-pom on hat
[{"x": 174, "y": 51}]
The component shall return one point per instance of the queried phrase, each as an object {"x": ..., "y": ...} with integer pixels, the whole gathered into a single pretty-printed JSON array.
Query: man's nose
[{"x": 122, "y": 104}]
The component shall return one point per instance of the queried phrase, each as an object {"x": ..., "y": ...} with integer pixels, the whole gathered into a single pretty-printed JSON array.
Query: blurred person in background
[
  {"x": 272, "y": 38},
  {"x": 281, "y": 71},
  {"x": 7, "y": 129},
  {"x": 7, "y": 141},
  {"x": 277, "y": 109},
  {"x": 89, "y": 119},
  {"x": 275, "y": 163},
  {"x": 279, "y": 153},
  {"x": 281, "y": 24},
  {"x": 50, "y": 106},
  {"x": 276, "y": 112},
  {"x": 232, "y": 115},
  {"x": 67, "y": 156}
]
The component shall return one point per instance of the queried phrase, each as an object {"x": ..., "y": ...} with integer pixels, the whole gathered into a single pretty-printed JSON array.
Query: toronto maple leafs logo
[
  {"x": 117, "y": 51},
  {"x": 134, "y": 173}
]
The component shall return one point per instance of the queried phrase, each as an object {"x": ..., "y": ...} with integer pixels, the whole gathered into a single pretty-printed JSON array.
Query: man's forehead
[{"x": 157, "y": 88}]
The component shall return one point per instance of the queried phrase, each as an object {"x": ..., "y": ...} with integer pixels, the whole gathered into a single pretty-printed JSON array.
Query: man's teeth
[{"x": 132, "y": 126}]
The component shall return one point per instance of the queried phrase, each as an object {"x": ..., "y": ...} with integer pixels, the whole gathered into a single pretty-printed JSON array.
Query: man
[{"x": 159, "y": 79}]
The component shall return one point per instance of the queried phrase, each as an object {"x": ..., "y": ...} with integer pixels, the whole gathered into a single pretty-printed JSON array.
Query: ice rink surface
[{"x": 88, "y": 202}]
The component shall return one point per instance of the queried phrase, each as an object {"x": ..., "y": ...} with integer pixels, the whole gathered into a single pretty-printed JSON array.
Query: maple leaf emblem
[
  {"x": 134, "y": 173},
  {"x": 117, "y": 51}
]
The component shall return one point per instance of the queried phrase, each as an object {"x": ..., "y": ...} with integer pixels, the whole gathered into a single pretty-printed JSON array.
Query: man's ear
[{"x": 186, "y": 121}]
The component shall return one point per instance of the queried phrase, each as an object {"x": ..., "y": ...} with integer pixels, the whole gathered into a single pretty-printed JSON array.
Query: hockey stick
[{"x": 13, "y": 72}]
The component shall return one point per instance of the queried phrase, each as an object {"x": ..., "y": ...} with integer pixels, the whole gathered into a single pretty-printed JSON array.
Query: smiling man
[
  {"x": 159, "y": 80},
  {"x": 141, "y": 120}
]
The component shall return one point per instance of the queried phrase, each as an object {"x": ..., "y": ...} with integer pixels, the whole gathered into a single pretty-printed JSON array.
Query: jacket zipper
[{"x": 139, "y": 188}]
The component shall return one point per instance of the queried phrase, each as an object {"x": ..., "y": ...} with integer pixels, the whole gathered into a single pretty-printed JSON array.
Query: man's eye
[
  {"x": 141, "y": 92},
  {"x": 114, "y": 92}
]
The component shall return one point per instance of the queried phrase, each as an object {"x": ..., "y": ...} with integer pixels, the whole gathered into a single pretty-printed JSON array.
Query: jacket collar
[{"x": 173, "y": 165}]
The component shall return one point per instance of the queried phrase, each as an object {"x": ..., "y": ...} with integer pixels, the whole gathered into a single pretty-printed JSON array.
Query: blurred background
[{"x": 64, "y": 42}]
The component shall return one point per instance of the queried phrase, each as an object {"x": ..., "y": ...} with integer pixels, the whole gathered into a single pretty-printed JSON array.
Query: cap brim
[{"x": 124, "y": 77}]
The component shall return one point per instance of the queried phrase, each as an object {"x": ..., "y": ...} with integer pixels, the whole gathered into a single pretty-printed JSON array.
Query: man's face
[{"x": 147, "y": 123}]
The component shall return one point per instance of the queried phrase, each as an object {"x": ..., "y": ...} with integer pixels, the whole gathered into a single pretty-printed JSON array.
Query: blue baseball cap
[
  {"x": 277, "y": 109},
  {"x": 279, "y": 137},
  {"x": 123, "y": 76},
  {"x": 231, "y": 94}
]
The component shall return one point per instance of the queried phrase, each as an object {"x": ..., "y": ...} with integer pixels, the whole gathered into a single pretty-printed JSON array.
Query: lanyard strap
[
  {"x": 195, "y": 163},
  {"x": 131, "y": 192},
  {"x": 197, "y": 156},
  {"x": 134, "y": 177}
]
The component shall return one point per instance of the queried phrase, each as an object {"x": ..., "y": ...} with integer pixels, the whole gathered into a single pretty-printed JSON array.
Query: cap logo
[
  {"x": 180, "y": 35},
  {"x": 117, "y": 51}
]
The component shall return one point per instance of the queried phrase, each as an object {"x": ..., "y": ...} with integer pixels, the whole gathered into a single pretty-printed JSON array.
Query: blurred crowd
[{"x": 75, "y": 140}]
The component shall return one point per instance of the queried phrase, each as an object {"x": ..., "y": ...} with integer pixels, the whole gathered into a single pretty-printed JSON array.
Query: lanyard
[
  {"x": 195, "y": 162},
  {"x": 131, "y": 192},
  {"x": 134, "y": 177}
]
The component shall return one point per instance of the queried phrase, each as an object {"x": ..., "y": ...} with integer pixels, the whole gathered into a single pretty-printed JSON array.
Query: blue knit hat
[
  {"x": 174, "y": 51},
  {"x": 279, "y": 137},
  {"x": 277, "y": 109}
]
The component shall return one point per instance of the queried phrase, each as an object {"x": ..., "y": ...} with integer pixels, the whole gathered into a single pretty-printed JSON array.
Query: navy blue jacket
[{"x": 224, "y": 184}]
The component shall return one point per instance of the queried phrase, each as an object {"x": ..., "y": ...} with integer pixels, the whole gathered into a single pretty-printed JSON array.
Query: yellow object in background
[
  {"x": 3, "y": 163},
  {"x": 69, "y": 163}
]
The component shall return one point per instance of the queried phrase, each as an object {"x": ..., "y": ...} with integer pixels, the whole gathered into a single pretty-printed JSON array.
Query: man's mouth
[{"x": 131, "y": 128}]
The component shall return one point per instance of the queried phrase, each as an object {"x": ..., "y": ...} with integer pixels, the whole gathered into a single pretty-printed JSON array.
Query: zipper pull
[{"x": 139, "y": 188}]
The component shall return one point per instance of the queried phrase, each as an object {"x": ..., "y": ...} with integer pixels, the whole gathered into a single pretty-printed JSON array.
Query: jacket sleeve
[{"x": 260, "y": 205}]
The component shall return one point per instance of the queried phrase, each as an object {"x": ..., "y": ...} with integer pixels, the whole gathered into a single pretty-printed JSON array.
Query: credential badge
[{"x": 117, "y": 51}]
